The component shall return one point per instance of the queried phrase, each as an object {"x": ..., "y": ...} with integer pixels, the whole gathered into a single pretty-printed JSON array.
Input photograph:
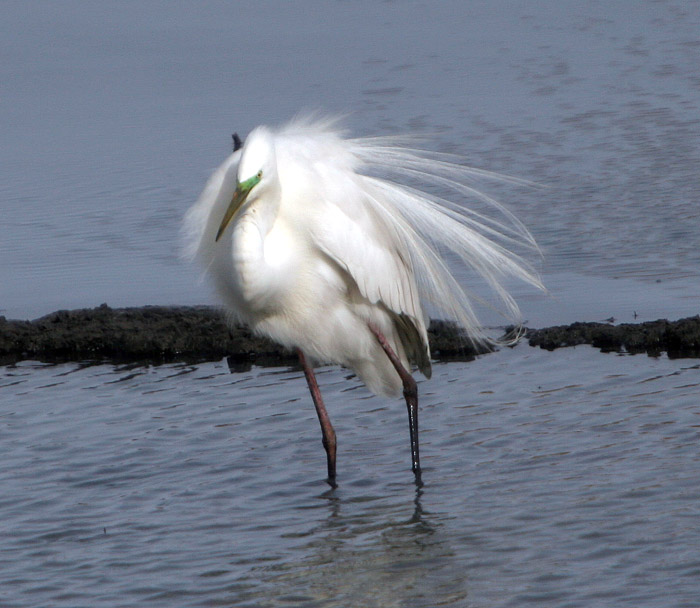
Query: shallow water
[
  {"x": 551, "y": 479},
  {"x": 558, "y": 479}
]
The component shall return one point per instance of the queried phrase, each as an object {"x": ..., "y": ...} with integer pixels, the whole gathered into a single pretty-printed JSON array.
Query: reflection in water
[{"x": 367, "y": 553}]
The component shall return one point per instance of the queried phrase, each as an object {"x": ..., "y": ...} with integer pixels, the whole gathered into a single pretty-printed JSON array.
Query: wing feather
[
  {"x": 382, "y": 222},
  {"x": 370, "y": 251}
]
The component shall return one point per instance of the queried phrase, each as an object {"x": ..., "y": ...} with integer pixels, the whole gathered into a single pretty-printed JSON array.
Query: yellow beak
[
  {"x": 239, "y": 197},
  {"x": 235, "y": 204}
]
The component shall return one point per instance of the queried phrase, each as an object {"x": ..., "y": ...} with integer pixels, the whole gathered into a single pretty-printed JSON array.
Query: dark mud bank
[
  {"x": 676, "y": 338},
  {"x": 159, "y": 333},
  {"x": 164, "y": 333}
]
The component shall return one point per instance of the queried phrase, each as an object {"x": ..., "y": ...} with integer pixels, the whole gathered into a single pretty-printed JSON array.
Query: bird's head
[{"x": 256, "y": 170}]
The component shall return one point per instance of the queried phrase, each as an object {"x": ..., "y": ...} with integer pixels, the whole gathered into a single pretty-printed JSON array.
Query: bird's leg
[
  {"x": 410, "y": 393},
  {"x": 329, "y": 442}
]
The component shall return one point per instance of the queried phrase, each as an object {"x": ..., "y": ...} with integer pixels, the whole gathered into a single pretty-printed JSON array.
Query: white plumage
[{"x": 316, "y": 245}]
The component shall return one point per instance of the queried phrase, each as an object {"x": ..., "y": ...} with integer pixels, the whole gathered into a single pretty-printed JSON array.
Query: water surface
[
  {"x": 113, "y": 117},
  {"x": 558, "y": 479},
  {"x": 551, "y": 479}
]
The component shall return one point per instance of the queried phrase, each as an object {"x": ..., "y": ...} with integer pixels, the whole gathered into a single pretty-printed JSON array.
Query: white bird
[{"x": 312, "y": 240}]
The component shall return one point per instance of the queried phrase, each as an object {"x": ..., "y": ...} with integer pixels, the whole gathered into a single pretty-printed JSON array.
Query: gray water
[{"x": 551, "y": 479}]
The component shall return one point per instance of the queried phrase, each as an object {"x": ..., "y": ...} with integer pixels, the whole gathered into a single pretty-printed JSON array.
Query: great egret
[{"x": 312, "y": 240}]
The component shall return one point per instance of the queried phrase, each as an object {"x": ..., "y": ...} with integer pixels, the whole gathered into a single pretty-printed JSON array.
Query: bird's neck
[
  {"x": 251, "y": 231},
  {"x": 264, "y": 259},
  {"x": 263, "y": 212}
]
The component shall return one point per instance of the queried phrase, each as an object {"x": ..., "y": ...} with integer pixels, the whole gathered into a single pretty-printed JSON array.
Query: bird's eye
[{"x": 260, "y": 174}]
